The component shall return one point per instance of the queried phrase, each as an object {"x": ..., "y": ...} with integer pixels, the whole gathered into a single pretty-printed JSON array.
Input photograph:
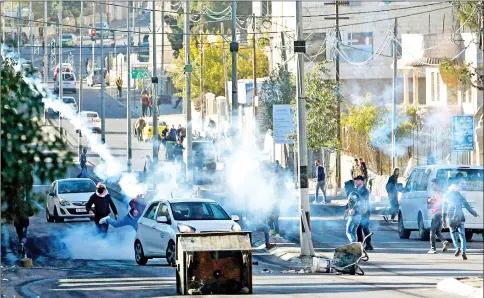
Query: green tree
[
  {"x": 362, "y": 117},
  {"x": 26, "y": 150},
  {"x": 468, "y": 12},
  {"x": 322, "y": 108},
  {"x": 280, "y": 88},
  {"x": 213, "y": 67}
]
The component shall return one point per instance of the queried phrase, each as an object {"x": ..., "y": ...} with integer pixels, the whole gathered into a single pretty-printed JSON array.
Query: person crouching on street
[
  {"x": 136, "y": 205},
  {"x": 455, "y": 219},
  {"x": 437, "y": 220},
  {"x": 103, "y": 204}
]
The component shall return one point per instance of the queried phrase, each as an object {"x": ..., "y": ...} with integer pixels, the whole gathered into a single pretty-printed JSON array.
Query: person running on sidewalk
[
  {"x": 144, "y": 105},
  {"x": 391, "y": 188},
  {"x": 437, "y": 219},
  {"x": 103, "y": 204},
  {"x": 83, "y": 163},
  {"x": 119, "y": 84},
  {"x": 136, "y": 205},
  {"x": 364, "y": 227},
  {"x": 321, "y": 183},
  {"x": 455, "y": 219}
]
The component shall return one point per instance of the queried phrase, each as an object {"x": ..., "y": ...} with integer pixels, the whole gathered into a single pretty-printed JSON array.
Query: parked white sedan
[
  {"x": 67, "y": 198},
  {"x": 163, "y": 219}
]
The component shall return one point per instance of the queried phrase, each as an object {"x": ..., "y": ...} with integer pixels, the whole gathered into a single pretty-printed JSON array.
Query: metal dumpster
[{"x": 214, "y": 263}]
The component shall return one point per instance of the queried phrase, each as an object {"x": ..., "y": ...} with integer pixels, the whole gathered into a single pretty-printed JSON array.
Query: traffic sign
[
  {"x": 463, "y": 133},
  {"x": 188, "y": 68},
  {"x": 139, "y": 73}
]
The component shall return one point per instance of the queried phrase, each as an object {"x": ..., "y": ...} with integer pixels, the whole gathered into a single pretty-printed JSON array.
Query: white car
[
  {"x": 415, "y": 212},
  {"x": 163, "y": 219},
  {"x": 91, "y": 121},
  {"x": 67, "y": 198},
  {"x": 68, "y": 82},
  {"x": 68, "y": 100}
]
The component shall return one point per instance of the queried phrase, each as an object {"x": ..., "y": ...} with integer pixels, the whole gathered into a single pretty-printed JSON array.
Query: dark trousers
[
  {"x": 177, "y": 103},
  {"x": 393, "y": 198},
  {"x": 436, "y": 230},
  {"x": 102, "y": 228},
  {"x": 120, "y": 91},
  {"x": 144, "y": 109},
  {"x": 150, "y": 109},
  {"x": 21, "y": 233},
  {"x": 364, "y": 229}
]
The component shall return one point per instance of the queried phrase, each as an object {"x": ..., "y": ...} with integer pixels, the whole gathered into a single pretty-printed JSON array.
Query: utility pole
[
  {"x": 202, "y": 95},
  {"x": 188, "y": 69},
  {"x": 154, "y": 86},
  {"x": 338, "y": 92},
  {"x": 31, "y": 32},
  {"x": 128, "y": 97},
  {"x": 19, "y": 30},
  {"x": 79, "y": 140},
  {"x": 103, "y": 102},
  {"x": 226, "y": 80},
  {"x": 254, "y": 75},
  {"x": 94, "y": 37},
  {"x": 234, "y": 48},
  {"x": 162, "y": 47},
  {"x": 60, "y": 75},
  {"x": 394, "y": 95},
  {"x": 299, "y": 49},
  {"x": 46, "y": 58}
]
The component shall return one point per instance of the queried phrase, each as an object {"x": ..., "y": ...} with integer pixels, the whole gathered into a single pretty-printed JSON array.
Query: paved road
[{"x": 84, "y": 265}]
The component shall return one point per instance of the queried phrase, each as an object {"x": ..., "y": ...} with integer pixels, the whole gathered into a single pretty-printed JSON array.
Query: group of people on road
[
  {"x": 447, "y": 211},
  {"x": 146, "y": 105}
]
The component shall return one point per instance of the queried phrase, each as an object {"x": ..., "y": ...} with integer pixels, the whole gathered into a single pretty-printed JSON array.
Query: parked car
[
  {"x": 67, "y": 198},
  {"x": 68, "y": 82},
  {"x": 91, "y": 121},
  {"x": 163, "y": 219},
  {"x": 147, "y": 132},
  {"x": 69, "y": 40},
  {"x": 415, "y": 211}
]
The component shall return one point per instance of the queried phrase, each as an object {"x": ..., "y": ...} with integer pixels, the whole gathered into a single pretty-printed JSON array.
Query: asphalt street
[{"x": 71, "y": 262}]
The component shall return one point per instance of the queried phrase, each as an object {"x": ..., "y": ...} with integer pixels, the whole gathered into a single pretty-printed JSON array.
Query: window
[
  {"x": 411, "y": 180},
  {"x": 357, "y": 46},
  {"x": 468, "y": 179},
  {"x": 163, "y": 211},
  {"x": 423, "y": 180},
  {"x": 151, "y": 212},
  {"x": 198, "y": 211},
  {"x": 316, "y": 45},
  {"x": 52, "y": 188}
]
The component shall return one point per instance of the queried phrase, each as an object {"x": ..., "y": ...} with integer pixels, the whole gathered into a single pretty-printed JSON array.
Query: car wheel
[
  {"x": 47, "y": 215},
  {"x": 402, "y": 232},
  {"x": 171, "y": 254},
  {"x": 56, "y": 216},
  {"x": 139, "y": 254},
  {"x": 423, "y": 232},
  {"x": 469, "y": 235}
]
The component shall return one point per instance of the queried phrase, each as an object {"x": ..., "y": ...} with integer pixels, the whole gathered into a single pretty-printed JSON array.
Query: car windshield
[
  {"x": 68, "y": 77},
  {"x": 89, "y": 115},
  {"x": 76, "y": 186},
  {"x": 468, "y": 179},
  {"x": 68, "y": 100},
  {"x": 198, "y": 211}
]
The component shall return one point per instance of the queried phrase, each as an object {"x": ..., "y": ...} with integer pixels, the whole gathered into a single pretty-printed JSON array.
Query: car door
[
  {"x": 422, "y": 193},
  {"x": 50, "y": 198},
  {"x": 406, "y": 201},
  {"x": 163, "y": 230},
  {"x": 146, "y": 225}
]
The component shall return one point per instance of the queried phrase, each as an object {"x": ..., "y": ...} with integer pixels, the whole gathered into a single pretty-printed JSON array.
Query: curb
[{"x": 454, "y": 286}]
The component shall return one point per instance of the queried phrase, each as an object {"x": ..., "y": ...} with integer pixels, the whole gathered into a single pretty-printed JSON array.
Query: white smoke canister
[{"x": 321, "y": 265}]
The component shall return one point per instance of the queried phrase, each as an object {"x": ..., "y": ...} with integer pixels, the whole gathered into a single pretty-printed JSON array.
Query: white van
[
  {"x": 415, "y": 213},
  {"x": 68, "y": 82}
]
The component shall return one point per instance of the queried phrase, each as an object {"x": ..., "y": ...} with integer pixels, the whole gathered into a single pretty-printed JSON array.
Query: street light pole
[
  {"x": 46, "y": 58},
  {"x": 254, "y": 74},
  {"x": 188, "y": 92},
  {"x": 31, "y": 33},
  {"x": 61, "y": 71},
  {"x": 394, "y": 95},
  {"x": 80, "y": 77},
  {"x": 202, "y": 95},
  {"x": 103, "y": 102},
  {"x": 128, "y": 96},
  {"x": 234, "y": 48},
  {"x": 299, "y": 49},
  {"x": 154, "y": 83}
]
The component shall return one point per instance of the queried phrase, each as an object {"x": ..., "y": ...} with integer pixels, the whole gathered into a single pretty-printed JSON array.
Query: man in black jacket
[
  {"x": 364, "y": 228},
  {"x": 102, "y": 201}
]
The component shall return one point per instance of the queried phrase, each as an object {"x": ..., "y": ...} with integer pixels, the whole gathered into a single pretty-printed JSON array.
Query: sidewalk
[{"x": 463, "y": 286}]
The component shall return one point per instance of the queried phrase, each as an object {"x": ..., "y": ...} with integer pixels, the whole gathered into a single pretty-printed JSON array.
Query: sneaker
[
  {"x": 464, "y": 256},
  {"x": 270, "y": 245},
  {"x": 445, "y": 246},
  {"x": 432, "y": 251},
  {"x": 394, "y": 221},
  {"x": 457, "y": 253},
  {"x": 369, "y": 247},
  {"x": 103, "y": 220}
]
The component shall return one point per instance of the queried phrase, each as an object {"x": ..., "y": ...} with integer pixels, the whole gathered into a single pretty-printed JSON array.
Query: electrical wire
[{"x": 345, "y": 56}]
